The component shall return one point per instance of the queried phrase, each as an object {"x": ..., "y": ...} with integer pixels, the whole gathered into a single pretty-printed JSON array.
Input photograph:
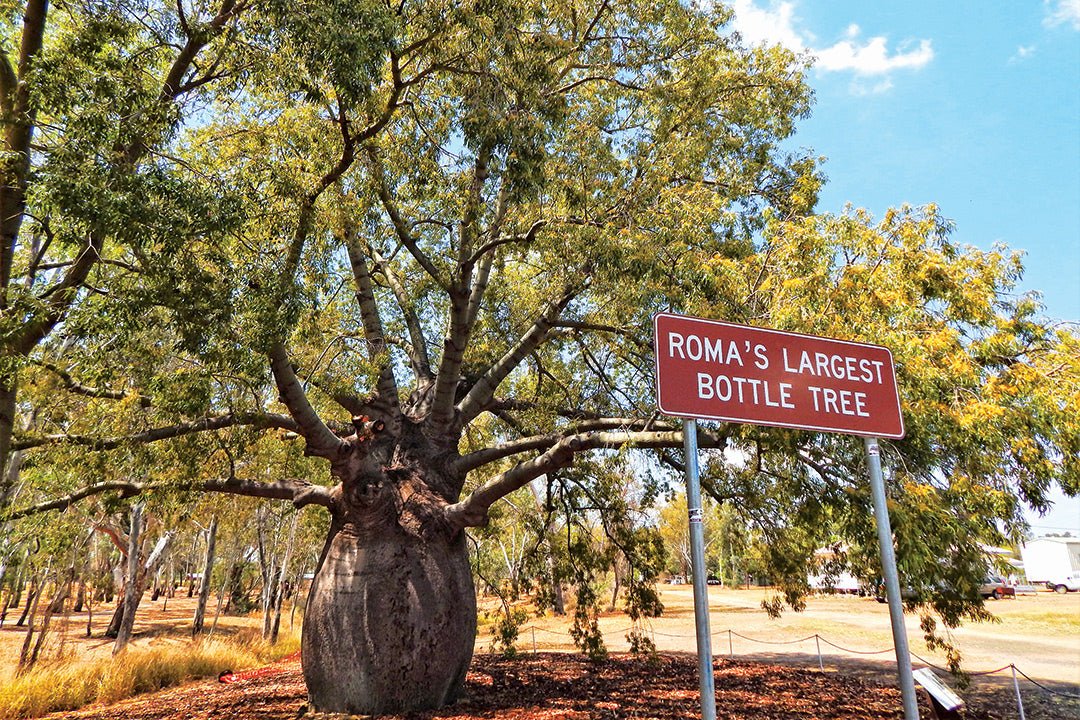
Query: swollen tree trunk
[
  {"x": 204, "y": 585},
  {"x": 390, "y": 622}
]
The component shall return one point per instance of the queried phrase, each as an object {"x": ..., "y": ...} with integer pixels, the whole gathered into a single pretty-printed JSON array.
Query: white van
[{"x": 1065, "y": 583}]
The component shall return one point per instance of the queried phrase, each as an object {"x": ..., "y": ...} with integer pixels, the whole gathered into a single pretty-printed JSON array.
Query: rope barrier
[
  {"x": 816, "y": 637},
  {"x": 1039, "y": 685},
  {"x": 856, "y": 652},
  {"x": 773, "y": 642}
]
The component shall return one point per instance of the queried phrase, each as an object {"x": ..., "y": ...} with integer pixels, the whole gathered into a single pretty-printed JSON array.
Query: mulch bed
[{"x": 555, "y": 686}]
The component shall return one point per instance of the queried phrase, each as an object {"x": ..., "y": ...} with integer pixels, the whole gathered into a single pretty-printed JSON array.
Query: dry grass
[{"x": 58, "y": 688}]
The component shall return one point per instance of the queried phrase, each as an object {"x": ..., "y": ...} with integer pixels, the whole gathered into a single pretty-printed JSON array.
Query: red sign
[{"x": 720, "y": 371}]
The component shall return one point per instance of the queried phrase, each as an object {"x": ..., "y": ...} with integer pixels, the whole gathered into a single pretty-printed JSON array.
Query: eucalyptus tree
[{"x": 423, "y": 250}]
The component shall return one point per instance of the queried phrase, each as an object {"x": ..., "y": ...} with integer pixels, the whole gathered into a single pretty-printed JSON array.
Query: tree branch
[
  {"x": 404, "y": 236},
  {"x": 373, "y": 328},
  {"x": 321, "y": 441},
  {"x": 461, "y": 297},
  {"x": 299, "y": 492},
  {"x": 73, "y": 385},
  {"x": 418, "y": 348},
  {"x": 217, "y": 422},
  {"x": 484, "y": 390},
  {"x": 472, "y": 511},
  {"x": 60, "y": 297},
  {"x": 474, "y": 460}
]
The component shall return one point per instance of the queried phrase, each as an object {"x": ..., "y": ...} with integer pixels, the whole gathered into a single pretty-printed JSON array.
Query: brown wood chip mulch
[{"x": 555, "y": 686}]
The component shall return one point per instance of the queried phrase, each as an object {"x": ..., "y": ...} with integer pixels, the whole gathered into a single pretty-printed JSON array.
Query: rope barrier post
[
  {"x": 730, "y": 647},
  {"x": 534, "y": 641},
  {"x": 892, "y": 580},
  {"x": 697, "y": 564},
  {"x": 1019, "y": 700},
  {"x": 821, "y": 665}
]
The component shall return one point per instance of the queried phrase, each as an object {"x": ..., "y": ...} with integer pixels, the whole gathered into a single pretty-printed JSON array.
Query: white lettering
[
  {"x": 733, "y": 354},
  {"x": 839, "y": 402},
  {"x": 675, "y": 344},
  {"x": 693, "y": 347},
  {"x": 704, "y": 386},
  {"x": 762, "y": 362}
]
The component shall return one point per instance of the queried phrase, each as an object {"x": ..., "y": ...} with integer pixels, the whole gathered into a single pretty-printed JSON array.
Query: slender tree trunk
[
  {"x": 57, "y": 605},
  {"x": 80, "y": 597},
  {"x": 7, "y": 604},
  {"x": 113, "y": 628},
  {"x": 31, "y": 598},
  {"x": 8, "y": 391},
  {"x": 617, "y": 586},
  {"x": 89, "y": 611},
  {"x": 133, "y": 590},
  {"x": 19, "y": 578},
  {"x": 280, "y": 595},
  {"x": 208, "y": 573},
  {"x": 266, "y": 571},
  {"x": 296, "y": 595},
  {"x": 31, "y": 607},
  {"x": 558, "y": 599}
]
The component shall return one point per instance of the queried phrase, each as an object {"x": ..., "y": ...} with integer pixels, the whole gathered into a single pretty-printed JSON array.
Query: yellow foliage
[{"x": 59, "y": 688}]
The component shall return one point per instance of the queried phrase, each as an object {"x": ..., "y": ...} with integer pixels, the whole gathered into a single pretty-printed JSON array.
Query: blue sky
[
  {"x": 974, "y": 106},
  {"x": 971, "y": 105}
]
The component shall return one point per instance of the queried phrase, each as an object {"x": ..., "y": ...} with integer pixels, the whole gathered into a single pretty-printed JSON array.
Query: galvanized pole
[
  {"x": 697, "y": 564},
  {"x": 892, "y": 581}
]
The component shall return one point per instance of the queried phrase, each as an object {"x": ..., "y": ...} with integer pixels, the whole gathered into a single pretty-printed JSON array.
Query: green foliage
[{"x": 505, "y": 630}]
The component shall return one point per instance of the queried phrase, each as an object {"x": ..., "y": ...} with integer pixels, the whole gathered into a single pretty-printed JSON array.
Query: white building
[{"x": 1050, "y": 557}]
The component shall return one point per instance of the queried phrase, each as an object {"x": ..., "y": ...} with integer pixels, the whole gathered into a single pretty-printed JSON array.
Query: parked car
[
  {"x": 1065, "y": 583},
  {"x": 713, "y": 580},
  {"x": 995, "y": 588},
  {"x": 992, "y": 588}
]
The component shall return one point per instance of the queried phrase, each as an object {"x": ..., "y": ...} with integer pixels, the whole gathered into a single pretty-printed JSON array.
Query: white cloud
[
  {"x": 1023, "y": 52},
  {"x": 872, "y": 57},
  {"x": 773, "y": 26},
  {"x": 776, "y": 24},
  {"x": 1063, "y": 12}
]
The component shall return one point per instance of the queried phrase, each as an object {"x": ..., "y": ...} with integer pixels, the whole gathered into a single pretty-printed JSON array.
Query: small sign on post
[{"x": 944, "y": 701}]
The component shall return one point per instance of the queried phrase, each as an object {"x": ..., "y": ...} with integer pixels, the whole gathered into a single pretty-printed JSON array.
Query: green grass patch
[{"x": 59, "y": 688}]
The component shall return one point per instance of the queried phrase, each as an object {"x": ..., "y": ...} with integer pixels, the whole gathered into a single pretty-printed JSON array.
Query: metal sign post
[
  {"x": 892, "y": 580},
  {"x": 697, "y": 565}
]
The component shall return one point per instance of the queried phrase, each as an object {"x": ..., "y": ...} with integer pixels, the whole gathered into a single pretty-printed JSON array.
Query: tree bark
[
  {"x": 31, "y": 597},
  {"x": 204, "y": 585},
  {"x": 266, "y": 572},
  {"x": 279, "y": 596},
  {"x": 133, "y": 591},
  {"x": 390, "y": 622},
  {"x": 31, "y": 608}
]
